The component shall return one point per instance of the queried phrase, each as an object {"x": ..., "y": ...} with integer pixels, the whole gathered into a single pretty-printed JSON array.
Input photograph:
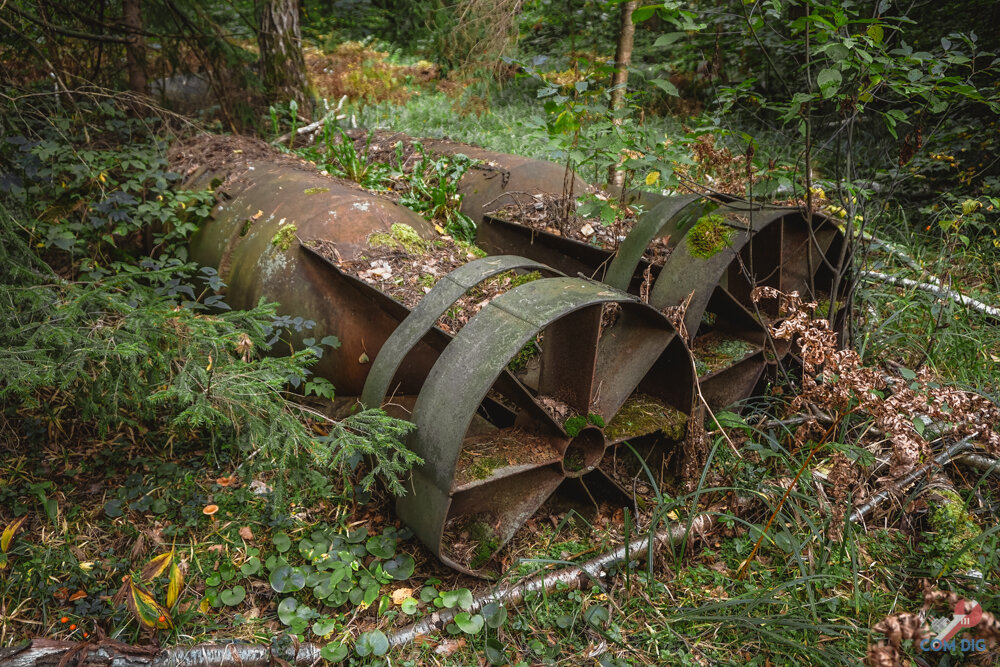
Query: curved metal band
[
  {"x": 467, "y": 369},
  {"x": 684, "y": 273},
  {"x": 435, "y": 303},
  {"x": 647, "y": 228}
]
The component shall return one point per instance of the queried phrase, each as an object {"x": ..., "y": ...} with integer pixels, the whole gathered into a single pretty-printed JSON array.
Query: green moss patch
[
  {"x": 952, "y": 527},
  {"x": 402, "y": 237},
  {"x": 643, "y": 414},
  {"x": 709, "y": 236},
  {"x": 284, "y": 237},
  {"x": 713, "y": 353}
]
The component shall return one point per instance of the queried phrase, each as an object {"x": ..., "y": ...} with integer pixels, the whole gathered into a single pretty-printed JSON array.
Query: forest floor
[{"x": 780, "y": 579}]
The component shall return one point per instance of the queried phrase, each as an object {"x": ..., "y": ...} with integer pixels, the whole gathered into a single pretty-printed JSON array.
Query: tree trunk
[
  {"x": 135, "y": 48},
  {"x": 623, "y": 58},
  {"x": 283, "y": 66}
]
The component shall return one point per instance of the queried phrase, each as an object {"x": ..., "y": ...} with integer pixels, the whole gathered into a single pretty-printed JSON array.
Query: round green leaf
[
  {"x": 287, "y": 579},
  {"x": 113, "y": 508},
  {"x": 469, "y": 624},
  {"x": 306, "y": 548},
  {"x": 409, "y": 606},
  {"x": 494, "y": 614},
  {"x": 373, "y": 642},
  {"x": 400, "y": 567},
  {"x": 357, "y": 536},
  {"x": 597, "y": 615},
  {"x": 829, "y": 81},
  {"x": 460, "y": 598},
  {"x": 282, "y": 542},
  {"x": 233, "y": 596},
  {"x": 286, "y": 610},
  {"x": 428, "y": 593},
  {"x": 251, "y": 567},
  {"x": 334, "y": 652},
  {"x": 381, "y": 546},
  {"x": 494, "y": 652}
]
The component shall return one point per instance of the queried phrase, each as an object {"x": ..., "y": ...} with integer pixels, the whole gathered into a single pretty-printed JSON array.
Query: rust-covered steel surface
[
  {"x": 499, "y": 176},
  {"x": 498, "y": 442},
  {"x": 253, "y": 240}
]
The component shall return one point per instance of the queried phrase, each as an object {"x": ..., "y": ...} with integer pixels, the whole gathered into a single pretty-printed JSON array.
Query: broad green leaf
[
  {"x": 233, "y": 596},
  {"x": 334, "y": 652},
  {"x": 640, "y": 14},
  {"x": 665, "y": 86},
  {"x": 286, "y": 610},
  {"x": 381, "y": 546},
  {"x": 251, "y": 567},
  {"x": 461, "y": 598},
  {"x": 668, "y": 39},
  {"x": 287, "y": 579},
  {"x": 400, "y": 567},
  {"x": 829, "y": 81},
  {"x": 409, "y": 606},
  {"x": 323, "y": 627},
  {"x": 597, "y": 615},
  {"x": 282, "y": 542},
  {"x": 373, "y": 642},
  {"x": 469, "y": 624},
  {"x": 494, "y": 614}
]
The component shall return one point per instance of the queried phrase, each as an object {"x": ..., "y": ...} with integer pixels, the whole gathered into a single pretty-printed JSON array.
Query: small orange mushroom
[{"x": 210, "y": 509}]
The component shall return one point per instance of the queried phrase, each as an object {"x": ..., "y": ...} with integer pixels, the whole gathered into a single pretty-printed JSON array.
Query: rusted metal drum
[{"x": 253, "y": 239}]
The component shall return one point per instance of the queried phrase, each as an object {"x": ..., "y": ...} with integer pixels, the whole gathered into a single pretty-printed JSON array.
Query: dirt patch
[
  {"x": 232, "y": 155},
  {"x": 556, "y": 214},
  {"x": 406, "y": 267},
  {"x": 505, "y": 447},
  {"x": 471, "y": 540},
  {"x": 713, "y": 352}
]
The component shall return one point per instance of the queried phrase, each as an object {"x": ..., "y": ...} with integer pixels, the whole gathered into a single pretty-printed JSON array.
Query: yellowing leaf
[
  {"x": 157, "y": 566},
  {"x": 146, "y": 609},
  {"x": 652, "y": 177},
  {"x": 175, "y": 585},
  {"x": 204, "y": 606},
  {"x": 401, "y": 594},
  {"x": 8, "y": 533}
]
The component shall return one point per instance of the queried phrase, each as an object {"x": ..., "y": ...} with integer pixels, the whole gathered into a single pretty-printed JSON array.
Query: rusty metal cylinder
[{"x": 265, "y": 208}]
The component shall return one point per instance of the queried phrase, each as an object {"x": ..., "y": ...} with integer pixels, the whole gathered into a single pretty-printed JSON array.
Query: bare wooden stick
[
  {"x": 331, "y": 114},
  {"x": 957, "y": 297}
]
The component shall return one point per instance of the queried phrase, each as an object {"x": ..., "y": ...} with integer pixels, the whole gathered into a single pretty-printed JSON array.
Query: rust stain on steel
[
  {"x": 487, "y": 186},
  {"x": 259, "y": 256}
]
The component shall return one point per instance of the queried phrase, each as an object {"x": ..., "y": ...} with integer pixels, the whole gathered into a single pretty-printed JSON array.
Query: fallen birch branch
[
  {"x": 573, "y": 577},
  {"x": 330, "y": 115},
  {"x": 957, "y": 297}
]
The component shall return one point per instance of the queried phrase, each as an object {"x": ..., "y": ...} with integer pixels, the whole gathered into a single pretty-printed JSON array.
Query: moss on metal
[
  {"x": 643, "y": 414},
  {"x": 400, "y": 236},
  {"x": 284, "y": 237},
  {"x": 709, "y": 236},
  {"x": 718, "y": 353}
]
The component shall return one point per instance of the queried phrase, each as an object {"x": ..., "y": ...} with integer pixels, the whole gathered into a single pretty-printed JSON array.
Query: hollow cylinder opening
[{"x": 584, "y": 452}]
